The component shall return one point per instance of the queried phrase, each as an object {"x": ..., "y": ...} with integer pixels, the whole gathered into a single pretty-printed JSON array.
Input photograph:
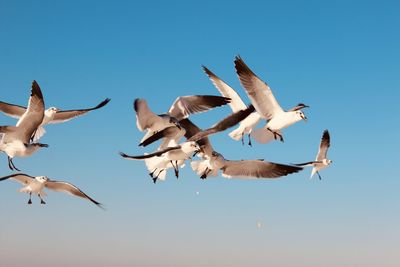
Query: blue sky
[{"x": 339, "y": 57}]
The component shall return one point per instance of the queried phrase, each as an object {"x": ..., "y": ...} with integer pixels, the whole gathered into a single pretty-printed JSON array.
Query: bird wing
[
  {"x": 236, "y": 103},
  {"x": 155, "y": 154},
  {"x": 324, "y": 145},
  {"x": 298, "y": 107},
  {"x": 66, "y": 115},
  {"x": 257, "y": 169},
  {"x": 169, "y": 132},
  {"x": 19, "y": 177},
  {"x": 69, "y": 189},
  {"x": 12, "y": 110},
  {"x": 225, "y": 123},
  {"x": 33, "y": 115},
  {"x": 144, "y": 116},
  {"x": 258, "y": 91},
  {"x": 186, "y": 105}
]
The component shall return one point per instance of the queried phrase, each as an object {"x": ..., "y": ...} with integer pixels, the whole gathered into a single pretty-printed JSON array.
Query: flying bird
[
  {"x": 173, "y": 155},
  {"x": 182, "y": 107},
  {"x": 321, "y": 161},
  {"x": 236, "y": 104},
  {"x": 36, "y": 185},
  {"x": 15, "y": 140},
  {"x": 266, "y": 105},
  {"x": 52, "y": 115}
]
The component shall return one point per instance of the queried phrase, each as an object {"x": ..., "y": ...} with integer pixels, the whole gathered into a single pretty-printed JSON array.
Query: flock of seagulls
[
  {"x": 171, "y": 127},
  {"x": 22, "y": 140}
]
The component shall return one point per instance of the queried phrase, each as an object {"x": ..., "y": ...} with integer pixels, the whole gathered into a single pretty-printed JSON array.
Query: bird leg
[
  {"x": 11, "y": 163},
  {"x": 33, "y": 136},
  {"x": 319, "y": 176},
  {"x": 243, "y": 139},
  {"x": 176, "y": 168},
  {"x": 156, "y": 177},
  {"x": 41, "y": 199},
  {"x": 206, "y": 172},
  {"x": 152, "y": 173},
  {"x": 249, "y": 140},
  {"x": 30, "y": 198},
  {"x": 276, "y": 134}
]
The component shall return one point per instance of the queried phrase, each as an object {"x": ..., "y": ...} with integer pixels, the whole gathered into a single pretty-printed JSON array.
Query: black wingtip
[
  {"x": 103, "y": 103},
  {"x": 36, "y": 91},
  {"x": 136, "y": 104}
]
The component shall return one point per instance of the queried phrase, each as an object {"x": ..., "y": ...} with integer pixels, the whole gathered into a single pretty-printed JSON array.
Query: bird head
[
  {"x": 327, "y": 161},
  {"x": 42, "y": 179},
  {"x": 51, "y": 111},
  {"x": 189, "y": 147},
  {"x": 301, "y": 115}
]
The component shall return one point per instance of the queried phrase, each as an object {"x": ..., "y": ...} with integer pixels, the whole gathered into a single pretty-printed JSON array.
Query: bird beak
[{"x": 304, "y": 118}]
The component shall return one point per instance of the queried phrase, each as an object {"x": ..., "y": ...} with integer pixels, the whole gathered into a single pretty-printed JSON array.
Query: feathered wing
[
  {"x": 145, "y": 118},
  {"x": 66, "y": 115},
  {"x": 258, "y": 91},
  {"x": 186, "y": 105},
  {"x": 225, "y": 123},
  {"x": 155, "y": 154},
  {"x": 33, "y": 115},
  {"x": 257, "y": 169},
  {"x": 263, "y": 135},
  {"x": 22, "y": 178},
  {"x": 324, "y": 145},
  {"x": 191, "y": 130},
  {"x": 236, "y": 103},
  {"x": 69, "y": 189},
  {"x": 12, "y": 110},
  {"x": 170, "y": 133}
]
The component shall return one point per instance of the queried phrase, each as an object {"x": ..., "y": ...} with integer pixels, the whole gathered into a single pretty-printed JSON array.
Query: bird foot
[
  {"x": 42, "y": 202},
  {"x": 154, "y": 180},
  {"x": 29, "y": 201}
]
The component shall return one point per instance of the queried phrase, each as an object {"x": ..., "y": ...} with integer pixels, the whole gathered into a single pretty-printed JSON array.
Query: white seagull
[
  {"x": 321, "y": 162},
  {"x": 37, "y": 184},
  {"x": 15, "y": 140},
  {"x": 266, "y": 105},
  {"x": 182, "y": 107},
  {"x": 52, "y": 115},
  {"x": 236, "y": 104},
  {"x": 173, "y": 155}
]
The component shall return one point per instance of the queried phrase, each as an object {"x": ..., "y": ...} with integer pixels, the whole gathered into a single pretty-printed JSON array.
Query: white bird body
[
  {"x": 246, "y": 126},
  {"x": 317, "y": 166},
  {"x": 35, "y": 186},
  {"x": 17, "y": 148}
]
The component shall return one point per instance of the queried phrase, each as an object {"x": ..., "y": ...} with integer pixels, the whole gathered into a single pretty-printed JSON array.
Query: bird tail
[
  {"x": 237, "y": 133},
  {"x": 39, "y": 133},
  {"x": 262, "y": 135}
]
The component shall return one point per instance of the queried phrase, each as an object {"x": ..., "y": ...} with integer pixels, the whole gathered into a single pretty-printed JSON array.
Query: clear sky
[{"x": 340, "y": 57}]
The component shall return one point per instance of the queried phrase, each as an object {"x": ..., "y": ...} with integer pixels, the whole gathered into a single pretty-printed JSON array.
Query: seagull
[
  {"x": 172, "y": 154},
  {"x": 236, "y": 104},
  {"x": 321, "y": 162},
  {"x": 37, "y": 184},
  {"x": 182, "y": 107},
  {"x": 52, "y": 115},
  {"x": 266, "y": 105},
  {"x": 15, "y": 140},
  {"x": 158, "y": 167},
  {"x": 173, "y": 133}
]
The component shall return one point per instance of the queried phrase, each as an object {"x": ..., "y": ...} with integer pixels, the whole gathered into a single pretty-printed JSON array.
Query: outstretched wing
[
  {"x": 33, "y": 115},
  {"x": 324, "y": 145},
  {"x": 169, "y": 132},
  {"x": 258, "y": 91},
  {"x": 186, "y": 105},
  {"x": 69, "y": 189},
  {"x": 145, "y": 118},
  {"x": 155, "y": 154},
  {"x": 12, "y": 110},
  {"x": 225, "y": 123},
  {"x": 236, "y": 103},
  {"x": 22, "y": 178},
  {"x": 257, "y": 169},
  {"x": 66, "y": 115}
]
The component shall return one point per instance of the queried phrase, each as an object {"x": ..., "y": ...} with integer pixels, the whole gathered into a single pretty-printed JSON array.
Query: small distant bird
[
  {"x": 266, "y": 105},
  {"x": 246, "y": 126},
  {"x": 182, "y": 107},
  {"x": 15, "y": 140},
  {"x": 173, "y": 155},
  {"x": 52, "y": 115},
  {"x": 37, "y": 184},
  {"x": 321, "y": 161}
]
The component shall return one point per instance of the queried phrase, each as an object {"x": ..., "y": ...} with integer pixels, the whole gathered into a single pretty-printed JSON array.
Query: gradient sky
[{"x": 340, "y": 57}]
